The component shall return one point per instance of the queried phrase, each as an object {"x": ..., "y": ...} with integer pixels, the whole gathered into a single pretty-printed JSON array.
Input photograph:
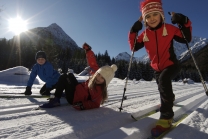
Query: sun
[{"x": 17, "y": 25}]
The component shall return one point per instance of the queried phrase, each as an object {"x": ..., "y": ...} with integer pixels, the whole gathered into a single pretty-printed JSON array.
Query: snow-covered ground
[{"x": 19, "y": 120}]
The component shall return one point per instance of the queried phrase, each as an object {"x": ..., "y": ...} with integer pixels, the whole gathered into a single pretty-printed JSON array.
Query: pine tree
[
  {"x": 107, "y": 58},
  {"x": 51, "y": 50},
  {"x": 27, "y": 54}
]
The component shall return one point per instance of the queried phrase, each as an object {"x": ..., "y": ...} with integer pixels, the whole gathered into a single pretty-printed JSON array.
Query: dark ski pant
[
  {"x": 164, "y": 81},
  {"x": 43, "y": 89},
  {"x": 68, "y": 83}
]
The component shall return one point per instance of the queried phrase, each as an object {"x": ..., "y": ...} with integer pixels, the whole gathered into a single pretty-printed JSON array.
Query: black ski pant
[
  {"x": 68, "y": 83},
  {"x": 164, "y": 81},
  {"x": 43, "y": 89}
]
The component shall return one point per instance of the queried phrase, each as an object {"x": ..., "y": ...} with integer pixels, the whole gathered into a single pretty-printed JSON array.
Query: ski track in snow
[{"x": 19, "y": 121}]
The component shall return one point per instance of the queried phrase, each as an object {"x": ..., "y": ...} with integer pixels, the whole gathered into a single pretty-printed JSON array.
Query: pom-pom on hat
[
  {"x": 40, "y": 54},
  {"x": 107, "y": 72},
  {"x": 150, "y": 6}
]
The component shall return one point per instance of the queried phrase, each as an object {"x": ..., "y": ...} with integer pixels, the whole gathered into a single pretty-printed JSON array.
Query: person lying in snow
[
  {"x": 86, "y": 95},
  {"x": 46, "y": 72},
  {"x": 158, "y": 41}
]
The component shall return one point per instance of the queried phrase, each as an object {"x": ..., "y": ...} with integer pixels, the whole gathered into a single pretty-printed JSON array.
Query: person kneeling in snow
[
  {"x": 86, "y": 95},
  {"x": 46, "y": 72}
]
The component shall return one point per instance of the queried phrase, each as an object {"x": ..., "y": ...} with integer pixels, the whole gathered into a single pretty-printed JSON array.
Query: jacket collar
[{"x": 157, "y": 27}]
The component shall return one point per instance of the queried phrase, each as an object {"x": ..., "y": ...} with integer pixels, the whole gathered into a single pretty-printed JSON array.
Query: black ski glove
[
  {"x": 179, "y": 19},
  {"x": 136, "y": 27},
  {"x": 79, "y": 105},
  {"x": 28, "y": 90}
]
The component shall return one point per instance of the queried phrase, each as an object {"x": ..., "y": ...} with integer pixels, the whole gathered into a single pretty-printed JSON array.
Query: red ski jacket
[
  {"x": 90, "y": 98},
  {"x": 91, "y": 60},
  {"x": 160, "y": 48}
]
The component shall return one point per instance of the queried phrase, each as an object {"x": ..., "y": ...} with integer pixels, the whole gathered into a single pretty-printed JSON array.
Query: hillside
[{"x": 201, "y": 59}]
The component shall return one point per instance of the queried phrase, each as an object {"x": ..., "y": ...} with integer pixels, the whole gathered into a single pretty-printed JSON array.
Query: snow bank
[{"x": 16, "y": 76}]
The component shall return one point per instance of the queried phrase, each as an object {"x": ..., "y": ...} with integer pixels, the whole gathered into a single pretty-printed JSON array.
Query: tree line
[{"x": 15, "y": 52}]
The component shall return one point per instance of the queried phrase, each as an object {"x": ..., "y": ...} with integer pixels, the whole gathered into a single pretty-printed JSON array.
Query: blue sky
[{"x": 104, "y": 24}]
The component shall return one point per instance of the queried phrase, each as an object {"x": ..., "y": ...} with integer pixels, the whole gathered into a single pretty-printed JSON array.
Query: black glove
[
  {"x": 79, "y": 105},
  {"x": 46, "y": 92},
  {"x": 179, "y": 19},
  {"x": 28, "y": 90},
  {"x": 86, "y": 47},
  {"x": 136, "y": 27}
]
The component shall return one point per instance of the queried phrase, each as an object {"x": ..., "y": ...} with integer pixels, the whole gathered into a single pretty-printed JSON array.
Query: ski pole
[
  {"x": 129, "y": 68},
  {"x": 128, "y": 72},
  {"x": 187, "y": 45}
]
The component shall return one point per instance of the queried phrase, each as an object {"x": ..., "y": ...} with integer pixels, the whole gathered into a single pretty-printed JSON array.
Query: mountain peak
[
  {"x": 54, "y": 25},
  {"x": 123, "y": 56},
  {"x": 54, "y": 31}
]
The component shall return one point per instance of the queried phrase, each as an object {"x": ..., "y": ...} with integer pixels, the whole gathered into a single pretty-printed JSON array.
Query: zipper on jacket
[{"x": 157, "y": 49}]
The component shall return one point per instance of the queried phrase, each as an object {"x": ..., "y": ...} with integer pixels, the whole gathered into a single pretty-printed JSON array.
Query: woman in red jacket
[
  {"x": 86, "y": 95},
  {"x": 157, "y": 38}
]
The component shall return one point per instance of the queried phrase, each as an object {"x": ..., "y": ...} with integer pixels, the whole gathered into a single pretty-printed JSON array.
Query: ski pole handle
[{"x": 171, "y": 13}]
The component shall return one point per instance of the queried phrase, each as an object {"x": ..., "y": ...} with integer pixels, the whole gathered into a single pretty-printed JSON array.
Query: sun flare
[{"x": 17, "y": 25}]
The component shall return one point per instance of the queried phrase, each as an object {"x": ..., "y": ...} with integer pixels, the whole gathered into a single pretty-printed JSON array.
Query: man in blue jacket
[{"x": 46, "y": 73}]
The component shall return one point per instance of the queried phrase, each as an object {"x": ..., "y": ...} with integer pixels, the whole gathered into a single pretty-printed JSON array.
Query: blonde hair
[{"x": 92, "y": 85}]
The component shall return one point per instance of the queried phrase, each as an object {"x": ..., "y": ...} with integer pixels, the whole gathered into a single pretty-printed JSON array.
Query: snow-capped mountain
[
  {"x": 195, "y": 45},
  {"x": 181, "y": 50},
  {"x": 124, "y": 56},
  {"x": 53, "y": 31}
]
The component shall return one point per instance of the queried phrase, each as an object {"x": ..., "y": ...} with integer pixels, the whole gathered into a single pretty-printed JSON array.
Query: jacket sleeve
[
  {"x": 91, "y": 60},
  {"x": 95, "y": 100},
  {"x": 187, "y": 31},
  {"x": 33, "y": 75},
  {"x": 139, "y": 43}
]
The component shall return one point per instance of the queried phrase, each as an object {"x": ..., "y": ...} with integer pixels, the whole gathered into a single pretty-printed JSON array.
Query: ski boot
[
  {"x": 53, "y": 102},
  {"x": 161, "y": 126}
]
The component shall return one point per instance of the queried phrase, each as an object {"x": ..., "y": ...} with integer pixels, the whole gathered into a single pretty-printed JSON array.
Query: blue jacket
[{"x": 45, "y": 72}]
